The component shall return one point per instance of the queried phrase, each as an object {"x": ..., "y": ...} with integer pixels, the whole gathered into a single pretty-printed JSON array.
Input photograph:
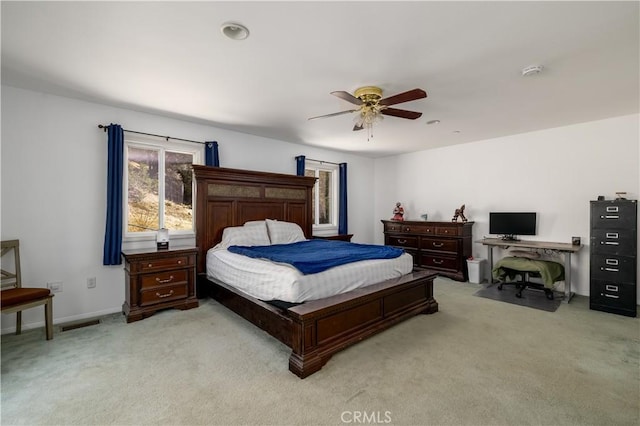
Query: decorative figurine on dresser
[
  {"x": 398, "y": 212},
  {"x": 459, "y": 213},
  {"x": 439, "y": 246},
  {"x": 613, "y": 256}
]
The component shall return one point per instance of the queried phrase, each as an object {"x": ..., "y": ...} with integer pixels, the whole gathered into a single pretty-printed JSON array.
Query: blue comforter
[{"x": 313, "y": 256}]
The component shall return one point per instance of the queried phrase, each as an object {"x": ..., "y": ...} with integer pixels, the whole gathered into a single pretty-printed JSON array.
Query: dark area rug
[{"x": 531, "y": 298}]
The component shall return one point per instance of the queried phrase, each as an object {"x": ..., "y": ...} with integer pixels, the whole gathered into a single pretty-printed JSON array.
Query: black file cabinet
[{"x": 613, "y": 256}]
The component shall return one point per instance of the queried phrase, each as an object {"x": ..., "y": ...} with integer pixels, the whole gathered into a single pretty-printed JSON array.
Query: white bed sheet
[{"x": 266, "y": 280}]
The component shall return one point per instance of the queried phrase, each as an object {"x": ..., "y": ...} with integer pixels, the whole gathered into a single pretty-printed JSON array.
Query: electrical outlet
[
  {"x": 91, "y": 282},
  {"x": 55, "y": 286}
]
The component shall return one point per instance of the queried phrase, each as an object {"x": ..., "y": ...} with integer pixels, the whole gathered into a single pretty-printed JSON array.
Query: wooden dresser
[
  {"x": 159, "y": 279},
  {"x": 440, "y": 246}
]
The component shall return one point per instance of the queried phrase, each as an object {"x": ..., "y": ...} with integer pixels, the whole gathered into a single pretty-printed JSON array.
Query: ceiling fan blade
[
  {"x": 333, "y": 114},
  {"x": 411, "y": 95},
  {"x": 357, "y": 127},
  {"x": 402, "y": 113},
  {"x": 347, "y": 97}
]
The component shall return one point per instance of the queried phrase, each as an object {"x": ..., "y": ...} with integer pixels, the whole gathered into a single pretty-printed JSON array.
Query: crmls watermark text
[{"x": 364, "y": 417}]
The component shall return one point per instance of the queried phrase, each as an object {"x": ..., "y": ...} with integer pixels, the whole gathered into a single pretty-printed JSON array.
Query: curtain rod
[
  {"x": 322, "y": 161},
  {"x": 101, "y": 126}
]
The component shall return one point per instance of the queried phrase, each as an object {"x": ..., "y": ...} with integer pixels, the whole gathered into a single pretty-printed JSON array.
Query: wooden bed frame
[{"x": 317, "y": 329}]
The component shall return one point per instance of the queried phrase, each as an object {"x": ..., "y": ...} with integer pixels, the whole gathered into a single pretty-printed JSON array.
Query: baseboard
[{"x": 56, "y": 321}]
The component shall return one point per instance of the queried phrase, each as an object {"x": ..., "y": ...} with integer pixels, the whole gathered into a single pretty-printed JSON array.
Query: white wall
[
  {"x": 554, "y": 172},
  {"x": 54, "y": 191}
]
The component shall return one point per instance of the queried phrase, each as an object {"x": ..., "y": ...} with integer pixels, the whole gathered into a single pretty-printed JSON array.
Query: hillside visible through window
[{"x": 145, "y": 190}]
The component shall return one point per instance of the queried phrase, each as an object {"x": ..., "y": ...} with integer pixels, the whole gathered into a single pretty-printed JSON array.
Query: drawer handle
[
  {"x": 612, "y": 296},
  {"x": 613, "y": 262},
  {"x": 407, "y": 229},
  {"x": 610, "y": 216},
  {"x": 164, "y": 295},
  {"x": 610, "y": 269},
  {"x": 402, "y": 241},
  {"x": 613, "y": 209},
  {"x": 609, "y": 287},
  {"x": 165, "y": 281},
  {"x": 613, "y": 235},
  {"x": 150, "y": 265},
  {"x": 438, "y": 262},
  {"x": 610, "y": 243},
  {"x": 437, "y": 245},
  {"x": 179, "y": 262}
]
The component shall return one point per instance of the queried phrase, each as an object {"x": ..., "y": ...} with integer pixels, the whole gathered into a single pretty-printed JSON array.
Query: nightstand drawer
[
  {"x": 163, "y": 278},
  {"x": 164, "y": 263},
  {"x": 163, "y": 294}
]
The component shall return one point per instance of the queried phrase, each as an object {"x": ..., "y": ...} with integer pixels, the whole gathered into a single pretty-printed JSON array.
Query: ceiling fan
[{"x": 371, "y": 105}]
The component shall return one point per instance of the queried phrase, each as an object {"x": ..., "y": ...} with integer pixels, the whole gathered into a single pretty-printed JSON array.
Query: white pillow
[
  {"x": 244, "y": 236},
  {"x": 256, "y": 223},
  {"x": 284, "y": 232}
]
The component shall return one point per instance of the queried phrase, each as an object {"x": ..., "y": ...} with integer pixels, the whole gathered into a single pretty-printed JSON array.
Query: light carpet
[{"x": 475, "y": 362}]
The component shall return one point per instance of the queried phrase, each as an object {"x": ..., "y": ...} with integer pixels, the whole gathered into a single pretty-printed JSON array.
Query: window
[
  {"x": 159, "y": 188},
  {"x": 325, "y": 196}
]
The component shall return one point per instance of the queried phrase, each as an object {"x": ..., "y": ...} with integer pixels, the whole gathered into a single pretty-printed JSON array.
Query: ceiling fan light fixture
[
  {"x": 532, "y": 70},
  {"x": 234, "y": 31}
]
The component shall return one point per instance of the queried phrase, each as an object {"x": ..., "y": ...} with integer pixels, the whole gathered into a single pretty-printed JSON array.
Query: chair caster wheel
[{"x": 549, "y": 295}]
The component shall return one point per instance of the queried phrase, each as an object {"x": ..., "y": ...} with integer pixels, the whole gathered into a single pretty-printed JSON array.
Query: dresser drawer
[
  {"x": 614, "y": 215},
  {"x": 613, "y": 241},
  {"x": 441, "y": 245},
  {"x": 393, "y": 227},
  {"x": 419, "y": 229},
  {"x": 438, "y": 262},
  {"x": 402, "y": 241},
  {"x": 162, "y": 278},
  {"x": 450, "y": 231},
  {"x": 613, "y": 294},
  {"x": 163, "y": 294},
  {"x": 613, "y": 268}
]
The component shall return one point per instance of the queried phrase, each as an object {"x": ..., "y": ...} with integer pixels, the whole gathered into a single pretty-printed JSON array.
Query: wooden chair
[{"x": 16, "y": 298}]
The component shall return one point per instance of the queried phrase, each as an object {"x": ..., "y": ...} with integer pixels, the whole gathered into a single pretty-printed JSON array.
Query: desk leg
[
  {"x": 490, "y": 257},
  {"x": 568, "y": 294}
]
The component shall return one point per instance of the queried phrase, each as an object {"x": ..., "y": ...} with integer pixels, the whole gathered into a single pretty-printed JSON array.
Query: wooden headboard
[{"x": 230, "y": 197}]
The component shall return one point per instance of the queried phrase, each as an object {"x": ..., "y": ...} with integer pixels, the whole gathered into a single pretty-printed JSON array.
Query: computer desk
[{"x": 565, "y": 248}]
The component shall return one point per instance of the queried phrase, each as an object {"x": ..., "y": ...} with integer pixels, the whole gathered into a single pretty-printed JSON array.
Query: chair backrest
[{"x": 10, "y": 266}]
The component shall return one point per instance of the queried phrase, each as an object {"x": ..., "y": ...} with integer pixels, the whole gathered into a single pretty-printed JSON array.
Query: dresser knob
[
  {"x": 179, "y": 262},
  {"x": 150, "y": 266}
]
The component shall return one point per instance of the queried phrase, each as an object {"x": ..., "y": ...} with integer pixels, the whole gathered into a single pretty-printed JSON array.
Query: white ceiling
[{"x": 171, "y": 58}]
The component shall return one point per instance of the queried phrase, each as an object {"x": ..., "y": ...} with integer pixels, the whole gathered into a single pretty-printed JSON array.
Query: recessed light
[
  {"x": 234, "y": 31},
  {"x": 433, "y": 122}
]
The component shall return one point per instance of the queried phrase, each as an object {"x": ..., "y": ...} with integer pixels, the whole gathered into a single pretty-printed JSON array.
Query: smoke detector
[{"x": 532, "y": 70}]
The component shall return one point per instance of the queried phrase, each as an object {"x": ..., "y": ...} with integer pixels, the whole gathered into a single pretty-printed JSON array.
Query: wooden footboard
[{"x": 316, "y": 330}]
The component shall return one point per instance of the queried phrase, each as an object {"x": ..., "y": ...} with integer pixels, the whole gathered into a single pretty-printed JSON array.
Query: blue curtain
[
  {"x": 113, "y": 230},
  {"x": 211, "y": 157},
  {"x": 342, "y": 195},
  {"x": 300, "y": 165}
]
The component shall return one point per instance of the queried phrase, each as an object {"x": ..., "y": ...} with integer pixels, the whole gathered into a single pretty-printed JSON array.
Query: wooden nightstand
[
  {"x": 159, "y": 279},
  {"x": 340, "y": 237}
]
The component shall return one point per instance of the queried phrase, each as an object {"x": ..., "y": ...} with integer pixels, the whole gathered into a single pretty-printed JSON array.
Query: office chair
[{"x": 16, "y": 298}]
